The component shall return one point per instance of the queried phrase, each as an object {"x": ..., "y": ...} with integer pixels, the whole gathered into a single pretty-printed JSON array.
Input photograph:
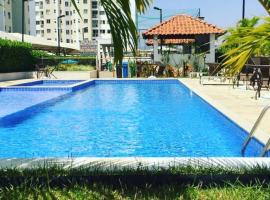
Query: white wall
[{"x": 210, "y": 58}]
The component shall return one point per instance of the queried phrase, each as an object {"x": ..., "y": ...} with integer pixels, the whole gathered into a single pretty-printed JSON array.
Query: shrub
[
  {"x": 40, "y": 54},
  {"x": 15, "y": 56}
]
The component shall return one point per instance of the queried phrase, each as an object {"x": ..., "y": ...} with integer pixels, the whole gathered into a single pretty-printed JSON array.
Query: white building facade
[{"x": 41, "y": 20}]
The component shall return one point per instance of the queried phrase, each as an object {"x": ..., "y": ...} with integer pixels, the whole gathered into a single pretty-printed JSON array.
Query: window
[
  {"x": 68, "y": 40},
  {"x": 66, "y": 4},
  {"x": 94, "y": 14},
  {"x": 9, "y": 16},
  {"x": 67, "y": 32},
  {"x": 94, "y": 4},
  {"x": 67, "y": 13},
  {"x": 85, "y": 11},
  {"x": 47, "y": 12},
  {"x": 48, "y": 21},
  {"x": 85, "y": 1},
  {"x": 85, "y": 21},
  {"x": 67, "y": 22},
  {"x": 95, "y": 33},
  {"x": 102, "y": 31},
  {"x": 47, "y": 1},
  {"x": 102, "y": 12},
  {"x": 54, "y": 11},
  {"x": 37, "y": 22},
  {"x": 109, "y": 31},
  {"x": 95, "y": 23},
  {"x": 48, "y": 30},
  {"x": 102, "y": 22}
]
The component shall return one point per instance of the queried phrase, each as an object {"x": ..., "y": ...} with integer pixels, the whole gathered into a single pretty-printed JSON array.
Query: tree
[
  {"x": 246, "y": 42},
  {"x": 123, "y": 29}
]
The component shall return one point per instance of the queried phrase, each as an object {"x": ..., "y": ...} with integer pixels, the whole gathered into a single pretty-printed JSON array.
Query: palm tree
[
  {"x": 123, "y": 29},
  {"x": 247, "y": 41}
]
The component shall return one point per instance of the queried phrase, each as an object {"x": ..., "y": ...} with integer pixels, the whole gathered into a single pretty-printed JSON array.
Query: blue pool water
[
  {"x": 50, "y": 83},
  {"x": 122, "y": 119}
]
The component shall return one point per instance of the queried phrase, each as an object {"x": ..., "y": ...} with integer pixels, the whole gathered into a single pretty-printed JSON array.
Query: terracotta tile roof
[
  {"x": 150, "y": 42},
  {"x": 182, "y": 25}
]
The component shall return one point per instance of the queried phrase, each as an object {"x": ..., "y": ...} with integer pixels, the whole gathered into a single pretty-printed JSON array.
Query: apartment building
[
  {"x": 48, "y": 13},
  {"x": 11, "y": 16},
  {"x": 42, "y": 18},
  {"x": 6, "y": 16}
]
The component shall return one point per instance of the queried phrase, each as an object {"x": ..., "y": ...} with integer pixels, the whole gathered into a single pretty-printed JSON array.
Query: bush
[
  {"x": 15, "y": 56},
  {"x": 40, "y": 54}
]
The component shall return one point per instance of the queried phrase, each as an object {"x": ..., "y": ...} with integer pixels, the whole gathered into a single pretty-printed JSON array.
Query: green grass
[
  {"x": 106, "y": 191},
  {"x": 141, "y": 183},
  {"x": 75, "y": 67}
]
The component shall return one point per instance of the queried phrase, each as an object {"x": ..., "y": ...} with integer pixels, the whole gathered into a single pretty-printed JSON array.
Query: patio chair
[{"x": 43, "y": 70}]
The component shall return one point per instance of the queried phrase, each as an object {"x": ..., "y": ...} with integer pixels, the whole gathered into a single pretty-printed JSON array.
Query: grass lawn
[
  {"x": 106, "y": 191},
  {"x": 75, "y": 67},
  {"x": 173, "y": 183}
]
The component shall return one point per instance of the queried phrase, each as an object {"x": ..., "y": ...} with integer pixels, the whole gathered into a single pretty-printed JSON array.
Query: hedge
[
  {"x": 52, "y": 61},
  {"x": 15, "y": 56},
  {"x": 20, "y": 57}
]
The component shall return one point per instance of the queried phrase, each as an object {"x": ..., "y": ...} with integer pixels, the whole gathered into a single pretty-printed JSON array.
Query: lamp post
[
  {"x": 243, "y": 9},
  {"x": 23, "y": 19},
  {"x": 58, "y": 24},
  {"x": 160, "y": 11}
]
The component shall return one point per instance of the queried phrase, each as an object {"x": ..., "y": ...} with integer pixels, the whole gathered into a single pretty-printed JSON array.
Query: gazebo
[{"x": 185, "y": 30}]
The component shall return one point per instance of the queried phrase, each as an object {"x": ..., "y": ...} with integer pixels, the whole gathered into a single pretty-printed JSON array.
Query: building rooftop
[{"x": 182, "y": 25}]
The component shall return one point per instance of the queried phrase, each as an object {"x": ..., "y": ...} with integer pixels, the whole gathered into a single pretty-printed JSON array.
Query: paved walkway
[
  {"x": 238, "y": 104},
  {"x": 15, "y": 82}
]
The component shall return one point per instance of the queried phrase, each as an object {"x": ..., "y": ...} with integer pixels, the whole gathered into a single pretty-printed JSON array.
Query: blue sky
[{"x": 223, "y": 13}]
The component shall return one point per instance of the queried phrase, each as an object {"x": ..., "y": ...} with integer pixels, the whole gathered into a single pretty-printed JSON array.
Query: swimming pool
[{"x": 139, "y": 118}]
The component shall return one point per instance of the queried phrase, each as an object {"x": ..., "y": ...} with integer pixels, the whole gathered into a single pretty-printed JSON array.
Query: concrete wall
[
  {"x": 16, "y": 76},
  {"x": 105, "y": 74},
  {"x": 210, "y": 58},
  {"x": 80, "y": 75},
  {"x": 66, "y": 75}
]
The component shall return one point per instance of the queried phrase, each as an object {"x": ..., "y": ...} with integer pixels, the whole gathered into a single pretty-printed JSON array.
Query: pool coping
[{"x": 145, "y": 162}]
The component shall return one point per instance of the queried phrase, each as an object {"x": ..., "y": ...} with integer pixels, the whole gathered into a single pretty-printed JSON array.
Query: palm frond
[
  {"x": 266, "y": 5},
  {"x": 248, "y": 42},
  {"x": 123, "y": 29}
]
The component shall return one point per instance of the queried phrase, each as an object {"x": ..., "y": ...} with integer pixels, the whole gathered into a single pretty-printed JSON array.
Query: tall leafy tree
[{"x": 123, "y": 28}]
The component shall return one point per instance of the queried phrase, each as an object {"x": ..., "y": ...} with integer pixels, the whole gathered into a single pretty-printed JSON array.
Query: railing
[{"x": 251, "y": 134}]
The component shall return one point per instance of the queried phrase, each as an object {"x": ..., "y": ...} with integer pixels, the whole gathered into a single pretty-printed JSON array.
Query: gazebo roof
[
  {"x": 182, "y": 26},
  {"x": 150, "y": 42}
]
